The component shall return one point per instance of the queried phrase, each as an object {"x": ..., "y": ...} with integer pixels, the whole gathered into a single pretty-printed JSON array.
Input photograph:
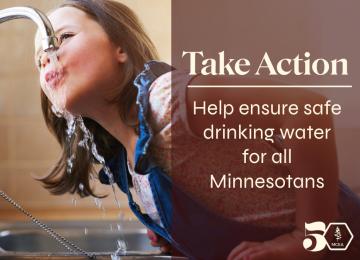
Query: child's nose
[{"x": 44, "y": 60}]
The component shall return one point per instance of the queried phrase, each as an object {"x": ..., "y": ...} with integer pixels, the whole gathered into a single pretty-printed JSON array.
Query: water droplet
[
  {"x": 98, "y": 202},
  {"x": 70, "y": 164},
  {"x": 118, "y": 227},
  {"x": 115, "y": 257}
]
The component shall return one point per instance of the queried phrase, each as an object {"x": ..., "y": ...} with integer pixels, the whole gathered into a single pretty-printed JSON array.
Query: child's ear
[{"x": 121, "y": 55}]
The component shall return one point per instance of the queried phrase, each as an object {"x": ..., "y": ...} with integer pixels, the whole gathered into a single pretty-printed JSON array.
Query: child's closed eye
[{"x": 64, "y": 36}]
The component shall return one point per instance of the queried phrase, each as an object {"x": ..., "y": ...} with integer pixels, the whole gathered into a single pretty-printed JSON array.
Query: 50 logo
[{"x": 336, "y": 236}]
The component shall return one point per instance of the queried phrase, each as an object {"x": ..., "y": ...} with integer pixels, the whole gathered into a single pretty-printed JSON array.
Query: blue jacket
[{"x": 188, "y": 226}]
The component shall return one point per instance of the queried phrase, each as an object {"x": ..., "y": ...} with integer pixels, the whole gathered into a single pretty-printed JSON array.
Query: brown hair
[{"x": 124, "y": 29}]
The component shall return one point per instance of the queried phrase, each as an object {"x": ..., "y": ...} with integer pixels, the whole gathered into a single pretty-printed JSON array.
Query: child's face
[{"x": 90, "y": 62}]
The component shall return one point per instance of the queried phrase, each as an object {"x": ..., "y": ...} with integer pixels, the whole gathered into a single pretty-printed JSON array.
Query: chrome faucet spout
[{"x": 49, "y": 41}]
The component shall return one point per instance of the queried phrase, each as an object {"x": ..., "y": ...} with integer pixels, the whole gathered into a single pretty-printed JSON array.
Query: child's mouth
[{"x": 53, "y": 78}]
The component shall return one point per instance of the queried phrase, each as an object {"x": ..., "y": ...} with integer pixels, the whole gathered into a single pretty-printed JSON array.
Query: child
[{"x": 109, "y": 76}]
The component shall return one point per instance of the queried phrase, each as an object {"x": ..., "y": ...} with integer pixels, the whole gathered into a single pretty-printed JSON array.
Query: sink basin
[{"x": 27, "y": 241}]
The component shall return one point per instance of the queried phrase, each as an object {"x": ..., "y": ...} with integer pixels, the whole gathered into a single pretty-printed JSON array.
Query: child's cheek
[{"x": 78, "y": 61}]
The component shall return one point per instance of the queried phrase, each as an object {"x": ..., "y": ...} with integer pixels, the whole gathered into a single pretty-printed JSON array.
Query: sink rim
[
  {"x": 94, "y": 227},
  {"x": 81, "y": 257},
  {"x": 71, "y": 232},
  {"x": 125, "y": 224}
]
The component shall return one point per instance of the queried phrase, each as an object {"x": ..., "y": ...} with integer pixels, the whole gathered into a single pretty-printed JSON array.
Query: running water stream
[{"x": 57, "y": 96}]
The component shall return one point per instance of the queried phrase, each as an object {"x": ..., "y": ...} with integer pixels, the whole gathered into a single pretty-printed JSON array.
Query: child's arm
[
  {"x": 157, "y": 241},
  {"x": 284, "y": 247}
]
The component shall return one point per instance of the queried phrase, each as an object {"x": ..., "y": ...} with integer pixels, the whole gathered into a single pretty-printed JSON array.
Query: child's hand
[
  {"x": 284, "y": 247},
  {"x": 158, "y": 241}
]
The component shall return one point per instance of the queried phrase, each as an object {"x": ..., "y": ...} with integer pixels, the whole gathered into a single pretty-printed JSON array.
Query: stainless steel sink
[{"x": 27, "y": 241}]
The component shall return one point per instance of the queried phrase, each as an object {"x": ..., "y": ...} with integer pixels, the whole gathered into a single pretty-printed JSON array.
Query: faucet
[{"x": 48, "y": 39}]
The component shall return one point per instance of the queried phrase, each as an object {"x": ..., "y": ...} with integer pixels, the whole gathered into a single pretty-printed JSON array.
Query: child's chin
[{"x": 74, "y": 108}]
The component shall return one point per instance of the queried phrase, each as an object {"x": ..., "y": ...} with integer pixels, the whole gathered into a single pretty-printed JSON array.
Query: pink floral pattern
[{"x": 143, "y": 190}]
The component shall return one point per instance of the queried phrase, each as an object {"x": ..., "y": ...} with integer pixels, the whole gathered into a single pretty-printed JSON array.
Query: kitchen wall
[{"x": 27, "y": 150}]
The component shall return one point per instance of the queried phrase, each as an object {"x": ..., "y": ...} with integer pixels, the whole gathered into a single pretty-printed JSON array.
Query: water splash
[
  {"x": 70, "y": 134},
  {"x": 88, "y": 142},
  {"x": 119, "y": 228},
  {"x": 71, "y": 125},
  {"x": 98, "y": 202},
  {"x": 56, "y": 111},
  {"x": 115, "y": 257},
  {"x": 50, "y": 81},
  {"x": 120, "y": 251},
  {"x": 121, "y": 247},
  {"x": 70, "y": 164},
  {"x": 74, "y": 201}
]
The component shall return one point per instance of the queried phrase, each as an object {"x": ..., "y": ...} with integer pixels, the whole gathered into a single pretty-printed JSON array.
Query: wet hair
[{"x": 124, "y": 29}]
